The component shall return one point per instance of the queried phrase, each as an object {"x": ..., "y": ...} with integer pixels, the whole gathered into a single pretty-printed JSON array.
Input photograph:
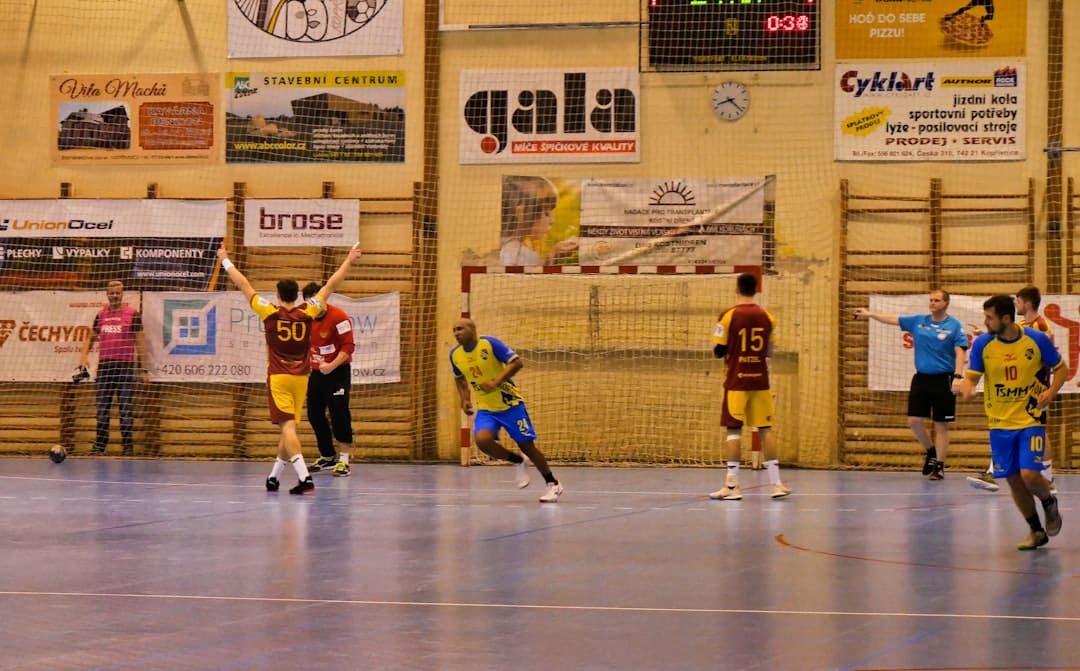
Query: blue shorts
[
  {"x": 515, "y": 420},
  {"x": 1013, "y": 450}
]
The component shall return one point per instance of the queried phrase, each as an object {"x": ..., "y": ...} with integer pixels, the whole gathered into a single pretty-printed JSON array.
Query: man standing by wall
[
  {"x": 121, "y": 362},
  {"x": 332, "y": 348}
]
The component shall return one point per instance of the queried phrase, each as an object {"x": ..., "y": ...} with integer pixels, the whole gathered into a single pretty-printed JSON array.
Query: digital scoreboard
[{"x": 688, "y": 35}]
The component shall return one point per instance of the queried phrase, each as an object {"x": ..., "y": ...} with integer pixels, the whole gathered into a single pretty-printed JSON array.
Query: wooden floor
[{"x": 135, "y": 565}]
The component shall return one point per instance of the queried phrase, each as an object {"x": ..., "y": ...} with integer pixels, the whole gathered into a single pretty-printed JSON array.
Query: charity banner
[
  {"x": 310, "y": 28},
  {"x": 115, "y": 119},
  {"x": 315, "y": 117},
  {"x": 300, "y": 222},
  {"x": 961, "y": 110},
  {"x": 930, "y": 29},
  {"x": 217, "y": 337},
  {"x": 891, "y": 359},
  {"x": 42, "y": 333},
  {"x": 146, "y": 244},
  {"x": 549, "y": 116},
  {"x": 689, "y": 221}
]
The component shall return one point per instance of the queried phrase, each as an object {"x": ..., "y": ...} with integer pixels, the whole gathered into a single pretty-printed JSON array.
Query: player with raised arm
[
  {"x": 1012, "y": 357},
  {"x": 744, "y": 339},
  {"x": 486, "y": 366},
  {"x": 287, "y": 328}
]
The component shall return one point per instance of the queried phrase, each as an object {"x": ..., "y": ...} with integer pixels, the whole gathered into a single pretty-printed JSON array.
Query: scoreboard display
[{"x": 689, "y": 35}]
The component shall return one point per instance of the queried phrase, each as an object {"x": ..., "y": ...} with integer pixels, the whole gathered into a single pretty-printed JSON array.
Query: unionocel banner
[
  {"x": 217, "y": 337},
  {"x": 146, "y": 244}
]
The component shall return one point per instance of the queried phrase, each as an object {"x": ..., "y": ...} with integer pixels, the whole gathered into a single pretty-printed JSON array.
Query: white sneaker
[
  {"x": 554, "y": 491},
  {"x": 727, "y": 494},
  {"x": 779, "y": 491},
  {"x": 521, "y": 475}
]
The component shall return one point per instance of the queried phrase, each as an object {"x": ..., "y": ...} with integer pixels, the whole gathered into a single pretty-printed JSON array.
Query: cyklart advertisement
[
  {"x": 964, "y": 110},
  {"x": 550, "y": 116}
]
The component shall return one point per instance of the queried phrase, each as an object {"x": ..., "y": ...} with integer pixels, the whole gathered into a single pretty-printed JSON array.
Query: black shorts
[{"x": 932, "y": 396}]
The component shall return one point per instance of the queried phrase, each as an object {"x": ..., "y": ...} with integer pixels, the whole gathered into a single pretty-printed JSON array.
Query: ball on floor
[{"x": 57, "y": 453}]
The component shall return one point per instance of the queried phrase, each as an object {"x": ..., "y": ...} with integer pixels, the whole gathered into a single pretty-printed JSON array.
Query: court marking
[
  {"x": 779, "y": 538},
  {"x": 535, "y": 606}
]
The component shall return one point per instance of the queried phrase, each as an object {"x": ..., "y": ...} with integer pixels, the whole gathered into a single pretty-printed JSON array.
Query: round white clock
[{"x": 730, "y": 100}]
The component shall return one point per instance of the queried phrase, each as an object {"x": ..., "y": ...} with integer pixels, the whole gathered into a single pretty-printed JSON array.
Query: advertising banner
[
  {"x": 300, "y": 222},
  {"x": 311, "y": 117},
  {"x": 891, "y": 359},
  {"x": 930, "y": 29},
  {"x": 295, "y": 29},
  {"x": 963, "y": 110},
  {"x": 550, "y": 116},
  {"x": 115, "y": 119},
  {"x": 42, "y": 333},
  {"x": 673, "y": 222},
  {"x": 217, "y": 337},
  {"x": 147, "y": 244}
]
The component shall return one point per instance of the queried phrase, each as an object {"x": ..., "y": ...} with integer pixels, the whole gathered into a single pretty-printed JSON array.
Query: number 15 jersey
[{"x": 747, "y": 331}]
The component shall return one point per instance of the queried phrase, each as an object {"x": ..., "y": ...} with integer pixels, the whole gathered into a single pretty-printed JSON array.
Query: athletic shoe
[
  {"x": 1034, "y": 540},
  {"x": 97, "y": 450},
  {"x": 727, "y": 494},
  {"x": 341, "y": 469},
  {"x": 521, "y": 475},
  {"x": 983, "y": 481},
  {"x": 322, "y": 463},
  {"x": 938, "y": 473},
  {"x": 928, "y": 463},
  {"x": 779, "y": 491},
  {"x": 272, "y": 484},
  {"x": 305, "y": 486},
  {"x": 554, "y": 491},
  {"x": 1053, "y": 517}
]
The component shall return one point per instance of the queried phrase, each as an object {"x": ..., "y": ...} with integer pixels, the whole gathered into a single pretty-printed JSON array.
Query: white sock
[
  {"x": 1048, "y": 470},
  {"x": 278, "y": 468},
  {"x": 343, "y": 457},
  {"x": 990, "y": 469},
  {"x": 773, "y": 468},
  {"x": 300, "y": 467},
  {"x": 732, "y": 474}
]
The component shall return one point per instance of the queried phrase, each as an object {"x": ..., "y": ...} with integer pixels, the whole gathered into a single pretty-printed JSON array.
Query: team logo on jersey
[
  {"x": 1029, "y": 354},
  {"x": 189, "y": 327}
]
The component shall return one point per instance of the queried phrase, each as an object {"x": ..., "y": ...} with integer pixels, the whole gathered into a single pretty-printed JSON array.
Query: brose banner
[{"x": 216, "y": 337}]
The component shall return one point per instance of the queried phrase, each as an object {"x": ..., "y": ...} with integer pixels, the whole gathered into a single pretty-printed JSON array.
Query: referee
[{"x": 332, "y": 348}]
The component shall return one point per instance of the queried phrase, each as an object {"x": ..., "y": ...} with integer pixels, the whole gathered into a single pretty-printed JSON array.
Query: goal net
[{"x": 618, "y": 361}]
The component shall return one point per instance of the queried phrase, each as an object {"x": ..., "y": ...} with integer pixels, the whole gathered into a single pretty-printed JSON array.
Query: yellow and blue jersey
[
  {"x": 1012, "y": 386},
  {"x": 485, "y": 362}
]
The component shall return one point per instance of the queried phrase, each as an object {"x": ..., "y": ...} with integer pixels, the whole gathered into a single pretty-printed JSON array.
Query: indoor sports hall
[{"x": 585, "y": 184}]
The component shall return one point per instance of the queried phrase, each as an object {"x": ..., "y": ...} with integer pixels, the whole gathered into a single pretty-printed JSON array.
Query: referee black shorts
[{"x": 932, "y": 396}]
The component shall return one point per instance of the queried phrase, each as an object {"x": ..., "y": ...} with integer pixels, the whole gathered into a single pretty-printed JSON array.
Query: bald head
[{"x": 465, "y": 332}]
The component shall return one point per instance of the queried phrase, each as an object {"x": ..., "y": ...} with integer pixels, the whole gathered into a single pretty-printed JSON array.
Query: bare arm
[
  {"x": 508, "y": 371},
  {"x": 863, "y": 313},
  {"x": 84, "y": 360},
  {"x": 465, "y": 394},
  {"x": 339, "y": 275},
  {"x": 1061, "y": 374},
  {"x": 234, "y": 274}
]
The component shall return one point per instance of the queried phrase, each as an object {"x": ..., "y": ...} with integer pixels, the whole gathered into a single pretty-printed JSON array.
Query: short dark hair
[
  {"x": 288, "y": 290},
  {"x": 1002, "y": 306},
  {"x": 747, "y": 284},
  {"x": 1031, "y": 294},
  {"x": 310, "y": 289}
]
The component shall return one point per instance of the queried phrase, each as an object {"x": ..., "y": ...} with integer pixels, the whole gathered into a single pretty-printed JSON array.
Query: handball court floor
[{"x": 135, "y": 564}]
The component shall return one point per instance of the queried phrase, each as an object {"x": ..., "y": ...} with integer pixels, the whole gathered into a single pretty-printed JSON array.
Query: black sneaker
[
  {"x": 305, "y": 486},
  {"x": 939, "y": 471},
  {"x": 272, "y": 484},
  {"x": 928, "y": 463},
  {"x": 1053, "y": 517},
  {"x": 322, "y": 463}
]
